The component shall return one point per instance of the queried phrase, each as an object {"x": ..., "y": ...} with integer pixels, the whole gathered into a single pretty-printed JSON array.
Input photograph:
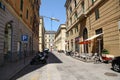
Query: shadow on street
[{"x": 52, "y": 59}]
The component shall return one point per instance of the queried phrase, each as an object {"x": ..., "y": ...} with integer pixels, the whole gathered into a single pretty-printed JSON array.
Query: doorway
[
  {"x": 99, "y": 46},
  {"x": 85, "y": 36}
]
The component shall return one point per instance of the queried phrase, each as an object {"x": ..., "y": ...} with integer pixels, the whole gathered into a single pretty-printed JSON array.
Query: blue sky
[{"x": 53, "y": 8}]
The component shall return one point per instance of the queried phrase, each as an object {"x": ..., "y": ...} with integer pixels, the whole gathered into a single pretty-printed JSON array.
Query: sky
[{"x": 55, "y": 9}]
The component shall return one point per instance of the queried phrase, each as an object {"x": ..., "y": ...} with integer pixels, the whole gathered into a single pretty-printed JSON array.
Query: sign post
[{"x": 24, "y": 39}]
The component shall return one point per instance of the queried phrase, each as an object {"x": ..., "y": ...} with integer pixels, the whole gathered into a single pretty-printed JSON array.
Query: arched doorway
[
  {"x": 8, "y": 42},
  {"x": 85, "y": 36}
]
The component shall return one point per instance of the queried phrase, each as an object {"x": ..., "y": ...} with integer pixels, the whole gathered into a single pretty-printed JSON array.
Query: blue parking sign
[{"x": 24, "y": 38}]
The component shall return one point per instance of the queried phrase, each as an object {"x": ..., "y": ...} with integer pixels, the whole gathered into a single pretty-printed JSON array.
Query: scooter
[{"x": 39, "y": 58}]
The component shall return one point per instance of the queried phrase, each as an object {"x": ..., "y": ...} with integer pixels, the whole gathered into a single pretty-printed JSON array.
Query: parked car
[{"x": 116, "y": 64}]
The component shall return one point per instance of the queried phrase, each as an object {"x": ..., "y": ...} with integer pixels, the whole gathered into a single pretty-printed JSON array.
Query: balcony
[{"x": 81, "y": 14}]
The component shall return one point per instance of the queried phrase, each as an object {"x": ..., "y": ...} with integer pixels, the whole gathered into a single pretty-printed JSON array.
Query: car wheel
[{"x": 116, "y": 67}]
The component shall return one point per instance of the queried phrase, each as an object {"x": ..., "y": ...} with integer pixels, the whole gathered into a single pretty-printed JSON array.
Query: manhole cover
[{"x": 110, "y": 74}]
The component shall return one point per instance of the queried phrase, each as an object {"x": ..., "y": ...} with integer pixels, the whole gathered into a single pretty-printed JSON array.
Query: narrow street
[{"x": 62, "y": 67}]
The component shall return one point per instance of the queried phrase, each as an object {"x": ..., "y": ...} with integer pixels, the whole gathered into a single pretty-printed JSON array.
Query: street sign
[{"x": 24, "y": 38}]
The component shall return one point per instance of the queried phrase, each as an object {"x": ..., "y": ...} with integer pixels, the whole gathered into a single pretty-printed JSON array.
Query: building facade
[
  {"x": 18, "y": 29},
  {"x": 60, "y": 38},
  {"x": 49, "y": 40},
  {"x": 92, "y": 18},
  {"x": 41, "y": 35}
]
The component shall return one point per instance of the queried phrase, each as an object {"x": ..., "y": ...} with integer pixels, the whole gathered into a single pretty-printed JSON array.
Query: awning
[
  {"x": 93, "y": 37},
  {"x": 87, "y": 41}
]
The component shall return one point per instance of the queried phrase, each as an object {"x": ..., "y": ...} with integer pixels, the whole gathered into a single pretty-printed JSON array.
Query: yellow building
[
  {"x": 60, "y": 38},
  {"x": 19, "y": 35},
  {"x": 49, "y": 40},
  {"x": 41, "y": 35},
  {"x": 90, "y": 18}
]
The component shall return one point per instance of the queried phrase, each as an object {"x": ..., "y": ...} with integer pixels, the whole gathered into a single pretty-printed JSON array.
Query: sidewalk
[{"x": 10, "y": 69}]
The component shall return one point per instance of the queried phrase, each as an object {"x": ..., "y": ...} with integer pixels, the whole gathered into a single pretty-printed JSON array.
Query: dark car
[{"x": 116, "y": 64}]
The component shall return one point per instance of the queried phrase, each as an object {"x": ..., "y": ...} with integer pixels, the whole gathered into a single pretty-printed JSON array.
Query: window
[
  {"x": 67, "y": 34},
  {"x": 93, "y": 1},
  {"x": 71, "y": 32},
  {"x": 82, "y": 4},
  {"x": 76, "y": 29},
  {"x": 31, "y": 20},
  {"x": 27, "y": 14},
  {"x": 21, "y": 5},
  {"x": 21, "y": 15},
  {"x": 2, "y": 6},
  {"x": 70, "y": 10},
  {"x": 8, "y": 38},
  {"x": 97, "y": 14},
  {"x": 98, "y": 31},
  {"x": 99, "y": 39},
  {"x": 75, "y": 3},
  {"x": 70, "y": 20},
  {"x": 75, "y": 15}
]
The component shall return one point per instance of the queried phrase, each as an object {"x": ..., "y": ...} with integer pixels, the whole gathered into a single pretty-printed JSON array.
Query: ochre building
[
  {"x": 97, "y": 21},
  {"x": 60, "y": 38},
  {"x": 19, "y": 29}
]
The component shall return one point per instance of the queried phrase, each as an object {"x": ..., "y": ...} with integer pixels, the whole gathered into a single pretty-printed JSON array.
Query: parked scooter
[
  {"x": 46, "y": 51},
  {"x": 40, "y": 57}
]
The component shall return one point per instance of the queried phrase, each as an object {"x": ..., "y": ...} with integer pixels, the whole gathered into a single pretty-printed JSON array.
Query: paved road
[{"x": 62, "y": 67}]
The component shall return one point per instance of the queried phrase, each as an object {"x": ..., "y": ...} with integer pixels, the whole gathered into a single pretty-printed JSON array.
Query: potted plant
[
  {"x": 105, "y": 55},
  {"x": 105, "y": 51}
]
